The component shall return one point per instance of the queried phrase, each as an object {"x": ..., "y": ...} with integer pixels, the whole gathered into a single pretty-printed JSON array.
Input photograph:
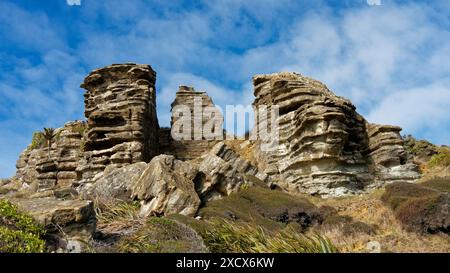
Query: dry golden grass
[
  {"x": 117, "y": 216},
  {"x": 389, "y": 233}
]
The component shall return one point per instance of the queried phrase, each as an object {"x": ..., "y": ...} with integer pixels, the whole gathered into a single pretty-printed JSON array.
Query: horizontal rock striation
[
  {"x": 201, "y": 116},
  {"x": 322, "y": 142},
  {"x": 54, "y": 168},
  {"x": 388, "y": 153},
  {"x": 122, "y": 127}
]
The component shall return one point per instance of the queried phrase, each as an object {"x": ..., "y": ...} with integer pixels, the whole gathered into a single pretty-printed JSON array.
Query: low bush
[
  {"x": 270, "y": 209},
  {"x": 19, "y": 233},
  {"x": 419, "y": 208},
  {"x": 162, "y": 235},
  {"x": 441, "y": 159}
]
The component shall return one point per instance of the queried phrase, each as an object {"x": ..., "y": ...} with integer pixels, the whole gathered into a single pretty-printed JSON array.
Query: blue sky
[{"x": 391, "y": 60}]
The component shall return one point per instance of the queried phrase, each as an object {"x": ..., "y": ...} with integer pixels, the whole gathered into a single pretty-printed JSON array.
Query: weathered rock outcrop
[
  {"x": 54, "y": 168},
  {"x": 320, "y": 145},
  {"x": 324, "y": 145},
  {"x": 166, "y": 188},
  {"x": 197, "y": 112},
  {"x": 222, "y": 171},
  {"x": 122, "y": 127},
  {"x": 116, "y": 183},
  {"x": 66, "y": 221},
  {"x": 322, "y": 139},
  {"x": 388, "y": 153}
]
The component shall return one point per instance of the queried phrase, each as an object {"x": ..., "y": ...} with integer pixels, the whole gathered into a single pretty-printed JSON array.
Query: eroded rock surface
[
  {"x": 42, "y": 169},
  {"x": 325, "y": 147},
  {"x": 116, "y": 183},
  {"x": 204, "y": 125},
  {"x": 222, "y": 171},
  {"x": 122, "y": 127},
  {"x": 165, "y": 188}
]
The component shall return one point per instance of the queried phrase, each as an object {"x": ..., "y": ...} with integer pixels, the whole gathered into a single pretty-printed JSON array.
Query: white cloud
[{"x": 424, "y": 109}]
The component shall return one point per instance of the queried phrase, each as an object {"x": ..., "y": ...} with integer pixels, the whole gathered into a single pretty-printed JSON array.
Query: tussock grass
[
  {"x": 234, "y": 237},
  {"x": 115, "y": 216}
]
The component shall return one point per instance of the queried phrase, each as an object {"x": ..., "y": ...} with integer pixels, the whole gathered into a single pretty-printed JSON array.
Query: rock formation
[
  {"x": 198, "y": 109},
  {"x": 165, "y": 188},
  {"x": 55, "y": 168},
  {"x": 322, "y": 139},
  {"x": 324, "y": 147},
  {"x": 122, "y": 127},
  {"x": 64, "y": 221},
  {"x": 319, "y": 145},
  {"x": 222, "y": 171}
]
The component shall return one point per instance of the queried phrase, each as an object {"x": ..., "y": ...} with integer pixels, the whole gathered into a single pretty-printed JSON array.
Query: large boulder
[
  {"x": 164, "y": 188},
  {"x": 116, "y": 183},
  {"x": 67, "y": 222},
  {"x": 223, "y": 171}
]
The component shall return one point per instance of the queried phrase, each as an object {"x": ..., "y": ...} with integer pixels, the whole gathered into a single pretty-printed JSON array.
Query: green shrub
[
  {"x": 270, "y": 209},
  {"x": 442, "y": 159},
  {"x": 38, "y": 141},
  {"x": 18, "y": 231}
]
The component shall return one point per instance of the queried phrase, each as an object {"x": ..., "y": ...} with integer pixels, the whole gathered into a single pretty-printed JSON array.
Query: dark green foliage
[
  {"x": 37, "y": 141},
  {"x": 18, "y": 231}
]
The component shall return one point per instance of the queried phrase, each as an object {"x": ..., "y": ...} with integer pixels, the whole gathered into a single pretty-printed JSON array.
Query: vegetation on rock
[
  {"x": 441, "y": 159},
  {"x": 37, "y": 141}
]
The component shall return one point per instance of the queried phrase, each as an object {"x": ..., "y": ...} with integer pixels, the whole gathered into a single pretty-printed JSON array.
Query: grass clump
[
  {"x": 236, "y": 237},
  {"x": 162, "y": 235},
  {"x": 19, "y": 233}
]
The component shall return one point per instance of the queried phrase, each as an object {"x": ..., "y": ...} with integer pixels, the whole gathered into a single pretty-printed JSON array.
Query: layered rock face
[
  {"x": 54, "y": 168},
  {"x": 323, "y": 145},
  {"x": 322, "y": 140},
  {"x": 388, "y": 153},
  {"x": 196, "y": 125},
  {"x": 122, "y": 127}
]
